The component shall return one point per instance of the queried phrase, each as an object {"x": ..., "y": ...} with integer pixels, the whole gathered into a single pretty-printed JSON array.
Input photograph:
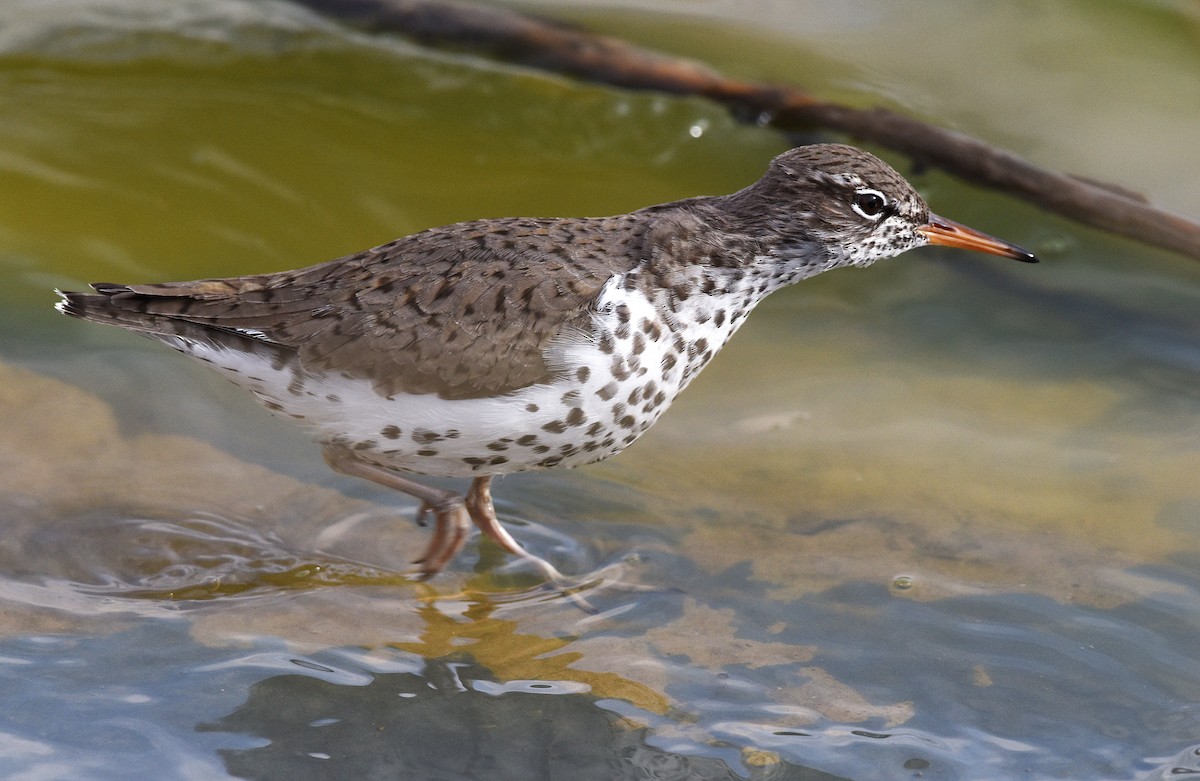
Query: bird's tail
[
  {"x": 175, "y": 312},
  {"x": 112, "y": 305}
]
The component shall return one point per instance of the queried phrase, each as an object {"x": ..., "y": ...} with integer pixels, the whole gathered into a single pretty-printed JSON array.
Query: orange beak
[{"x": 949, "y": 233}]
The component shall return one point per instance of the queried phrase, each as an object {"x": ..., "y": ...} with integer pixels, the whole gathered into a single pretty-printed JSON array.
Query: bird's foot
[
  {"x": 608, "y": 578},
  {"x": 451, "y": 522}
]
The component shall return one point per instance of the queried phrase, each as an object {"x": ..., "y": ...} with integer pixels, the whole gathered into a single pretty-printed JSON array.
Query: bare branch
[{"x": 556, "y": 47}]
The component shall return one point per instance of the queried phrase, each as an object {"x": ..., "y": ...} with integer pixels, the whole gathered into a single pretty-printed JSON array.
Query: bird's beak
[{"x": 949, "y": 233}]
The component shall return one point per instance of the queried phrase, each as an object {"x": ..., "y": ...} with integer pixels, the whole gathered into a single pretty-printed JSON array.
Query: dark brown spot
[
  {"x": 366, "y": 444},
  {"x": 497, "y": 460},
  {"x": 576, "y": 417},
  {"x": 497, "y": 446},
  {"x": 391, "y": 432},
  {"x": 531, "y": 408},
  {"x": 555, "y": 427},
  {"x": 427, "y": 452},
  {"x": 595, "y": 429},
  {"x": 582, "y": 374},
  {"x": 527, "y": 440}
]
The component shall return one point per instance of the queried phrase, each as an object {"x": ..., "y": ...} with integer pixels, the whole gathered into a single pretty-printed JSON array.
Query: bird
[{"x": 502, "y": 345}]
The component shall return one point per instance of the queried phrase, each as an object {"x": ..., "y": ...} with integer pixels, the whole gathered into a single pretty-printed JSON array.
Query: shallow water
[{"x": 935, "y": 519}]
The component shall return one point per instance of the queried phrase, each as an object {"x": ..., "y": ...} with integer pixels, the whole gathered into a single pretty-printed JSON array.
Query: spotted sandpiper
[{"x": 497, "y": 346}]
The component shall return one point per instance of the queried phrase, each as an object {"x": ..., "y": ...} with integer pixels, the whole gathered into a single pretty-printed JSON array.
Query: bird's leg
[
  {"x": 483, "y": 513},
  {"x": 450, "y": 531}
]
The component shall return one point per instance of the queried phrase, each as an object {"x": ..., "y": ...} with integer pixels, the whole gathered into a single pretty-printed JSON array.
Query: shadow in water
[{"x": 453, "y": 721}]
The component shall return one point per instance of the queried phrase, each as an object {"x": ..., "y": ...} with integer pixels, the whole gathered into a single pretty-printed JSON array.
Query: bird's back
[{"x": 461, "y": 311}]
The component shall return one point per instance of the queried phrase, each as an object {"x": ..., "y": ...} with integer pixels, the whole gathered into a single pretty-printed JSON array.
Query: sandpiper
[{"x": 502, "y": 345}]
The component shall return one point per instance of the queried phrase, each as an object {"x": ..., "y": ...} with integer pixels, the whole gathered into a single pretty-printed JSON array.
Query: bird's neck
[{"x": 719, "y": 246}]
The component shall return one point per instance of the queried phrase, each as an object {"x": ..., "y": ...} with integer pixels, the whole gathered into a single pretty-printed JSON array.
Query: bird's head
[{"x": 836, "y": 205}]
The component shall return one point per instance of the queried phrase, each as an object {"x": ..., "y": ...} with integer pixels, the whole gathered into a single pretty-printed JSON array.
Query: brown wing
[{"x": 463, "y": 311}]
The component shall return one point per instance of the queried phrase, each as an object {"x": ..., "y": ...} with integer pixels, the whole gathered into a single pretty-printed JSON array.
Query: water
[{"x": 937, "y": 519}]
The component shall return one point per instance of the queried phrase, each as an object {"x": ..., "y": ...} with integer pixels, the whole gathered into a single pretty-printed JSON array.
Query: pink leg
[
  {"x": 483, "y": 513},
  {"x": 450, "y": 531}
]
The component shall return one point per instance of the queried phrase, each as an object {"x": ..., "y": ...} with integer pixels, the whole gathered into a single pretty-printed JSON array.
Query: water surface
[{"x": 935, "y": 519}]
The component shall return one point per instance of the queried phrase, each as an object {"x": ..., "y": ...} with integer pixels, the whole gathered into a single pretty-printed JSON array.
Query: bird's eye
[{"x": 871, "y": 204}]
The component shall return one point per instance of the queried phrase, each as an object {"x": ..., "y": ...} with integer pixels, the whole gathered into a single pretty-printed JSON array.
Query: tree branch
[{"x": 553, "y": 46}]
